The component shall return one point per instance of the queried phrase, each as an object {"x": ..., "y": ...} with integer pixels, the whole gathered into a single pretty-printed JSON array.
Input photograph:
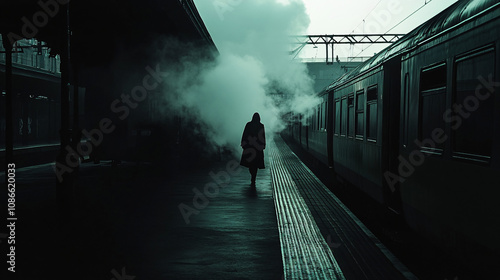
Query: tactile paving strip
[
  {"x": 359, "y": 253},
  {"x": 305, "y": 253}
]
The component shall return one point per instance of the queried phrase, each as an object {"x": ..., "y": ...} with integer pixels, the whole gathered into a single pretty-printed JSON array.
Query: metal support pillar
[
  {"x": 76, "y": 107},
  {"x": 25, "y": 99},
  {"x": 65, "y": 68},
  {"x": 333, "y": 54},
  {"x": 65, "y": 161},
  {"x": 9, "y": 127},
  {"x": 326, "y": 53}
]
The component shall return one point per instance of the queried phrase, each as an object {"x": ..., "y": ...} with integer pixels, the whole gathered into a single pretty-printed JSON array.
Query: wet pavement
[{"x": 128, "y": 223}]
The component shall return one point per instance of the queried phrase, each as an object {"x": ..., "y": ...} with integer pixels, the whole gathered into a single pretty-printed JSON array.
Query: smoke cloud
[{"x": 252, "y": 73}]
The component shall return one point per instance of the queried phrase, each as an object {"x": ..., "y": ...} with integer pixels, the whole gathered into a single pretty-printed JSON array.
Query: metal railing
[{"x": 34, "y": 54}]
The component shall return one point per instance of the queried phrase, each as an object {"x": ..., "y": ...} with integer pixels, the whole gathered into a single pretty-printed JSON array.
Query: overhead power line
[
  {"x": 414, "y": 12},
  {"x": 369, "y": 13}
]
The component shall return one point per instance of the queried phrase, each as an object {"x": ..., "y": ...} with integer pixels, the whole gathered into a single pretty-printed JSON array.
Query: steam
[{"x": 252, "y": 73}]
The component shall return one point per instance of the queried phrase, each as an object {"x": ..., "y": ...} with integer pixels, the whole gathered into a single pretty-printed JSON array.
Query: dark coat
[{"x": 253, "y": 143}]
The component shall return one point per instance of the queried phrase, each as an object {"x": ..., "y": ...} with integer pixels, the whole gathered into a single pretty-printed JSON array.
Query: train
[{"x": 417, "y": 128}]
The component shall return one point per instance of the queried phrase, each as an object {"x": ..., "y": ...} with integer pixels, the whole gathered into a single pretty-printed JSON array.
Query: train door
[
  {"x": 391, "y": 130},
  {"x": 329, "y": 129}
]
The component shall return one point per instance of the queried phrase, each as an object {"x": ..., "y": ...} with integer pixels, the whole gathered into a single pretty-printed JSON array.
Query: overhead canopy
[{"x": 98, "y": 27}]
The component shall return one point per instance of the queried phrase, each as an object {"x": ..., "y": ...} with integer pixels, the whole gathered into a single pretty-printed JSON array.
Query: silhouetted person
[{"x": 253, "y": 143}]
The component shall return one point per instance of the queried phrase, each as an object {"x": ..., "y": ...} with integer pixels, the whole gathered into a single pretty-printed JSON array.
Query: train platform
[{"x": 194, "y": 221}]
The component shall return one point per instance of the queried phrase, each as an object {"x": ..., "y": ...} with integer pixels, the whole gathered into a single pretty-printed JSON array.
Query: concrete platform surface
[
  {"x": 128, "y": 223},
  {"x": 201, "y": 220}
]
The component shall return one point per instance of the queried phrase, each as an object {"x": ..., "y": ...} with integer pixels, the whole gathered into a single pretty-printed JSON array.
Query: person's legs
[{"x": 253, "y": 172}]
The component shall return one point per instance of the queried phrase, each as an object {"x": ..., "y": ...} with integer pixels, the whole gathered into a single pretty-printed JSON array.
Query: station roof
[{"x": 98, "y": 27}]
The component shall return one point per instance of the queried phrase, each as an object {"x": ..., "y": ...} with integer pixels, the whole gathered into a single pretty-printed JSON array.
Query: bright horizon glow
[{"x": 370, "y": 16}]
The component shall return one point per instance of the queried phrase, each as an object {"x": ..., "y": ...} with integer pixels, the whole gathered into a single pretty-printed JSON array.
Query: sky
[{"x": 329, "y": 17}]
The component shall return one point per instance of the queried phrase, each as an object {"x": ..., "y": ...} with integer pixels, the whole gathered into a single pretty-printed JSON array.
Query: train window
[
  {"x": 325, "y": 115},
  {"x": 371, "y": 113},
  {"x": 343, "y": 110},
  {"x": 316, "y": 124},
  {"x": 406, "y": 111},
  {"x": 311, "y": 118},
  {"x": 433, "y": 77},
  {"x": 315, "y": 118},
  {"x": 360, "y": 113},
  {"x": 311, "y": 121},
  {"x": 337, "y": 117},
  {"x": 320, "y": 115},
  {"x": 432, "y": 105},
  {"x": 473, "y": 125},
  {"x": 316, "y": 113},
  {"x": 351, "y": 120}
]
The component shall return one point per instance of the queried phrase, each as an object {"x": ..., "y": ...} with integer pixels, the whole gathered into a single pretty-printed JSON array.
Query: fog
[{"x": 252, "y": 70}]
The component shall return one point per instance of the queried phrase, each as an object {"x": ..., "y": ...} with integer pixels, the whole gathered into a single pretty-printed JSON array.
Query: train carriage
[
  {"x": 450, "y": 114},
  {"x": 417, "y": 128},
  {"x": 365, "y": 126}
]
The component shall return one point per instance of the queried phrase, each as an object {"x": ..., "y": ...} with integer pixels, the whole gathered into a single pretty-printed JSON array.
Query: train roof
[{"x": 453, "y": 15}]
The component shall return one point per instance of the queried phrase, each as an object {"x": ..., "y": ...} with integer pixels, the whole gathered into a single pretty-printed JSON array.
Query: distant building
[
  {"x": 36, "y": 83},
  {"x": 324, "y": 74}
]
